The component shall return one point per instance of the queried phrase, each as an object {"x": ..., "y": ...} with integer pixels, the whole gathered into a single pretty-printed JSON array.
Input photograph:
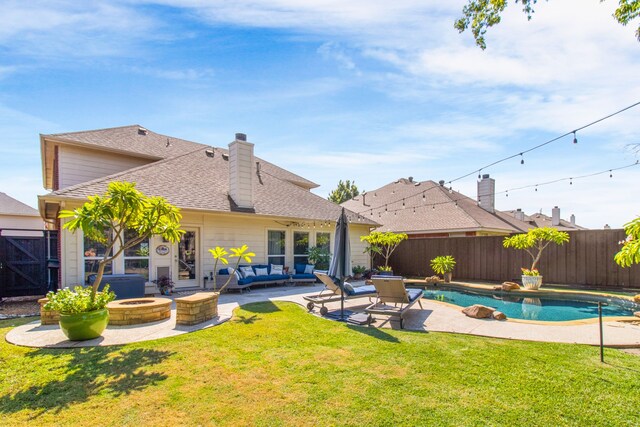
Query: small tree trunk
[{"x": 101, "y": 265}]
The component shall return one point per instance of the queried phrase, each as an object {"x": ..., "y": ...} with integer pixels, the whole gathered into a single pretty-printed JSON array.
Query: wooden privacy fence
[{"x": 587, "y": 259}]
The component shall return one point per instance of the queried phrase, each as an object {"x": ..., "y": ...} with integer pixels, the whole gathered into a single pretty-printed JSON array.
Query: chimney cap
[
  {"x": 519, "y": 210},
  {"x": 441, "y": 182},
  {"x": 241, "y": 137},
  {"x": 486, "y": 175},
  {"x": 410, "y": 179}
]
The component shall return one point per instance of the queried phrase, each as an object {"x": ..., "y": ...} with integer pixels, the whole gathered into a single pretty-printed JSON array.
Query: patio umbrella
[{"x": 340, "y": 267}]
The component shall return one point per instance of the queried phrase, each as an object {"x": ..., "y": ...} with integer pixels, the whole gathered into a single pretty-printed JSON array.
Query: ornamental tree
[
  {"x": 630, "y": 252},
  {"x": 383, "y": 243},
  {"x": 122, "y": 208},
  {"x": 480, "y": 15},
  {"x": 220, "y": 254},
  {"x": 535, "y": 241}
]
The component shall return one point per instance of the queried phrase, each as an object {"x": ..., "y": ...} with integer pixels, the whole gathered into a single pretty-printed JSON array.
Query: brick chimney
[
  {"x": 519, "y": 215},
  {"x": 486, "y": 193},
  {"x": 241, "y": 171},
  {"x": 572, "y": 218},
  {"x": 555, "y": 216}
]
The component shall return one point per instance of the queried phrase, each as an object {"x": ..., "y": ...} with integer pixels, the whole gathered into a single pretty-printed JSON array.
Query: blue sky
[{"x": 364, "y": 90}]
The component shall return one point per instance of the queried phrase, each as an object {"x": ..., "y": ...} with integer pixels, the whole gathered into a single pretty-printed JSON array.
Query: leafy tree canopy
[
  {"x": 123, "y": 208},
  {"x": 630, "y": 252},
  {"x": 482, "y": 14},
  {"x": 383, "y": 243},
  {"x": 345, "y": 191},
  {"x": 535, "y": 241}
]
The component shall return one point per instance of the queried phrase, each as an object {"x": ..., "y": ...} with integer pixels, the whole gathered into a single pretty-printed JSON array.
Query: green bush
[
  {"x": 443, "y": 264},
  {"x": 78, "y": 300}
]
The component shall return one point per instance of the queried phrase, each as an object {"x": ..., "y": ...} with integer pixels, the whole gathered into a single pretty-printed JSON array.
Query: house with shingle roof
[
  {"x": 227, "y": 196},
  {"x": 429, "y": 209},
  {"x": 16, "y": 215}
]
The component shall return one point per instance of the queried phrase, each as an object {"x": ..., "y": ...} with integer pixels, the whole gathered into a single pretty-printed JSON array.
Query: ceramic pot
[
  {"x": 84, "y": 326},
  {"x": 447, "y": 277},
  {"x": 532, "y": 282}
]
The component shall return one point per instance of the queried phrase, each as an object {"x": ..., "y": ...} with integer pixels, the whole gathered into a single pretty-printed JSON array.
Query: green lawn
[{"x": 273, "y": 364}]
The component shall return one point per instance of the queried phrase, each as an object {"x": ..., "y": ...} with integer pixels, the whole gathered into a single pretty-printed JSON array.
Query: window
[
  {"x": 300, "y": 247},
  {"x": 275, "y": 247},
  {"x": 93, "y": 253},
  {"x": 136, "y": 258},
  {"x": 323, "y": 241}
]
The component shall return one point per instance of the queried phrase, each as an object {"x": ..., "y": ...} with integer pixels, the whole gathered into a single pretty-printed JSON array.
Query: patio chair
[
  {"x": 333, "y": 292},
  {"x": 391, "y": 290}
]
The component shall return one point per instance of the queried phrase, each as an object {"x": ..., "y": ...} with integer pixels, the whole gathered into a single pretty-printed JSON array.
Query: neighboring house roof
[
  {"x": 138, "y": 141},
  {"x": 437, "y": 212},
  {"x": 11, "y": 206},
  {"x": 542, "y": 220},
  {"x": 197, "y": 181}
]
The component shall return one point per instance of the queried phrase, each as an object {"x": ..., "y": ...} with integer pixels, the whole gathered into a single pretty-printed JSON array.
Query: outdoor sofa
[{"x": 238, "y": 282}]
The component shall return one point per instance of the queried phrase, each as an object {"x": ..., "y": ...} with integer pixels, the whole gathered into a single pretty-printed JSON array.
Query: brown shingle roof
[
  {"x": 133, "y": 139},
  {"x": 446, "y": 216},
  {"x": 137, "y": 140},
  {"x": 11, "y": 206},
  {"x": 196, "y": 181},
  {"x": 542, "y": 220}
]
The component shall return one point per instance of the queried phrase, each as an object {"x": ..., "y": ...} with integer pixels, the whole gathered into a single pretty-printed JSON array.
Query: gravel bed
[{"x": 19, "y": 307}]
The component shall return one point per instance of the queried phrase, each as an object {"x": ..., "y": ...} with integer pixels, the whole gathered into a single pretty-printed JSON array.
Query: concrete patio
[{"x": 434, "y": 317}]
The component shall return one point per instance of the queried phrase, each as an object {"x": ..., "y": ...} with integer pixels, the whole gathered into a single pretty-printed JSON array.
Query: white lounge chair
[
  {"x": 391, "y": 290},
  {"x": 333, "y": 292}
]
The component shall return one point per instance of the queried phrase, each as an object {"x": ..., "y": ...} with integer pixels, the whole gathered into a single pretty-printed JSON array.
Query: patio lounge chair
[
  {"x": 390, "y": 289},
  {"x": 333, "y": 292}
]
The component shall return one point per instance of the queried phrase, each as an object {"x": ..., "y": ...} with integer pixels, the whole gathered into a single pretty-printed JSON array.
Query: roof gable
[{"x": 11, "y": 206}]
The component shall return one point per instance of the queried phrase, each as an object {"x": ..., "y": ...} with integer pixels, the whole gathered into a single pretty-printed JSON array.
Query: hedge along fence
[{"x": 587, "y": 259}]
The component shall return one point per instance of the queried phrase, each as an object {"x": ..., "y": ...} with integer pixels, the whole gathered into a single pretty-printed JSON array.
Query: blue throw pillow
[{"x": 300, "y": 268}]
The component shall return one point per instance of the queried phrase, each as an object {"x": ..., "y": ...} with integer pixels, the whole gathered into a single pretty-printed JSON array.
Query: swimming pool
[{"x": 537, "y": 306}]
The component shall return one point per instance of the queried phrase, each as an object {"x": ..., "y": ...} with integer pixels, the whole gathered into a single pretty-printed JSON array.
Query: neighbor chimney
[
  {"x": 241, "y": 171},
  {"x": 555, "y": 216},
  {"x": 572, "y": 218},
  {"x": 486, "y": 193},
  {"x": 519, "y": 215}
]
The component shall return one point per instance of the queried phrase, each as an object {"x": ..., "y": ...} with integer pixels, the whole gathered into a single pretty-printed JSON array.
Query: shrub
[{"x": 78, "y": 300}]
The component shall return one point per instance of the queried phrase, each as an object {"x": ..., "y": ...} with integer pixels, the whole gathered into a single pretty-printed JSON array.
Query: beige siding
[
  {"x": 76, "y": 165},
  {"x": 226, "y": 230},
  {"x": 21, "y": 221}
]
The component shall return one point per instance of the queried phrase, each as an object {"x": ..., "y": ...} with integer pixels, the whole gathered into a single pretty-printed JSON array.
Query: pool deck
[{"x": 433, "y": 317}]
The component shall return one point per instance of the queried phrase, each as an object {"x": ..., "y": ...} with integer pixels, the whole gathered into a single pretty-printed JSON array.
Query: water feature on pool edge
[{"x": 532, "y": 308}]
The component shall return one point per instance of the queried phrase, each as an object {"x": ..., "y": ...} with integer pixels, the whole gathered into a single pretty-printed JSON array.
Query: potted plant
[
  {"x": 385, "y": 270},
  {"x": 534, "y": 242},
  {"x": 81, "y": 317},
  {"x": 164, "y": 284},
  {"x": 444, "y": 265},
  {"x": 105, "y": 219},
  {"x": 319, "y": 256},
  {"x": 383, "y": 244},
  {"x": 358, "y": 270}
]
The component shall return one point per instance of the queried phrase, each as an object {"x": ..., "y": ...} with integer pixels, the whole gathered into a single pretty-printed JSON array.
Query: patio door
[{"x": 186, "y": 260}]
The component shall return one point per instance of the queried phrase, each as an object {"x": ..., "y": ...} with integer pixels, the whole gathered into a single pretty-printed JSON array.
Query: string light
[
  {"x": 521, "y": 159},
  {"x": 506, "y": 192},
  {"x": 403, "y": 205},
  {"x": 548, "y": 142},
  {"x": 575, "y": 139},
  {"x": 424, "y": 197}
]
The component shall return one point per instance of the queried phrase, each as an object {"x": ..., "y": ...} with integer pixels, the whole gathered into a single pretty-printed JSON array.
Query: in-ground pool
[{"x": 535, "y": 307}]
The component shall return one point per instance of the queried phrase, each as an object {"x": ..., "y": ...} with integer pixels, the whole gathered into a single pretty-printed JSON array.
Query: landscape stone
[
  {"x": 508, "y": 286},
  {"x": 498, "y": 315},
  {"x": 478, "y": 311}
]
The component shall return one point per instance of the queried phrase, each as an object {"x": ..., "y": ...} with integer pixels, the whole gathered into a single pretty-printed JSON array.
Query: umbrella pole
[{"x": 342, "y": 302}]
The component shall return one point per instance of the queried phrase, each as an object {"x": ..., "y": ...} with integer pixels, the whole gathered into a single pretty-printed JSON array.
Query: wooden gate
[{"x": 27, "y": 262}]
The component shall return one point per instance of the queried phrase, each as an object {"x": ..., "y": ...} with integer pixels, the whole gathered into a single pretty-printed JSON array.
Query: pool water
[{"x": 534, "y": 308}]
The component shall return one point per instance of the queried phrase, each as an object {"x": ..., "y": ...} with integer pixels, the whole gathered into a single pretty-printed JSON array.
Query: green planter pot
[{"x": 84, "y": 326}]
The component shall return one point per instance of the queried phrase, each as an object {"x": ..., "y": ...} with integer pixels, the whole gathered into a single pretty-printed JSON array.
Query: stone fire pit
[{"x": 138, "y": 310}]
